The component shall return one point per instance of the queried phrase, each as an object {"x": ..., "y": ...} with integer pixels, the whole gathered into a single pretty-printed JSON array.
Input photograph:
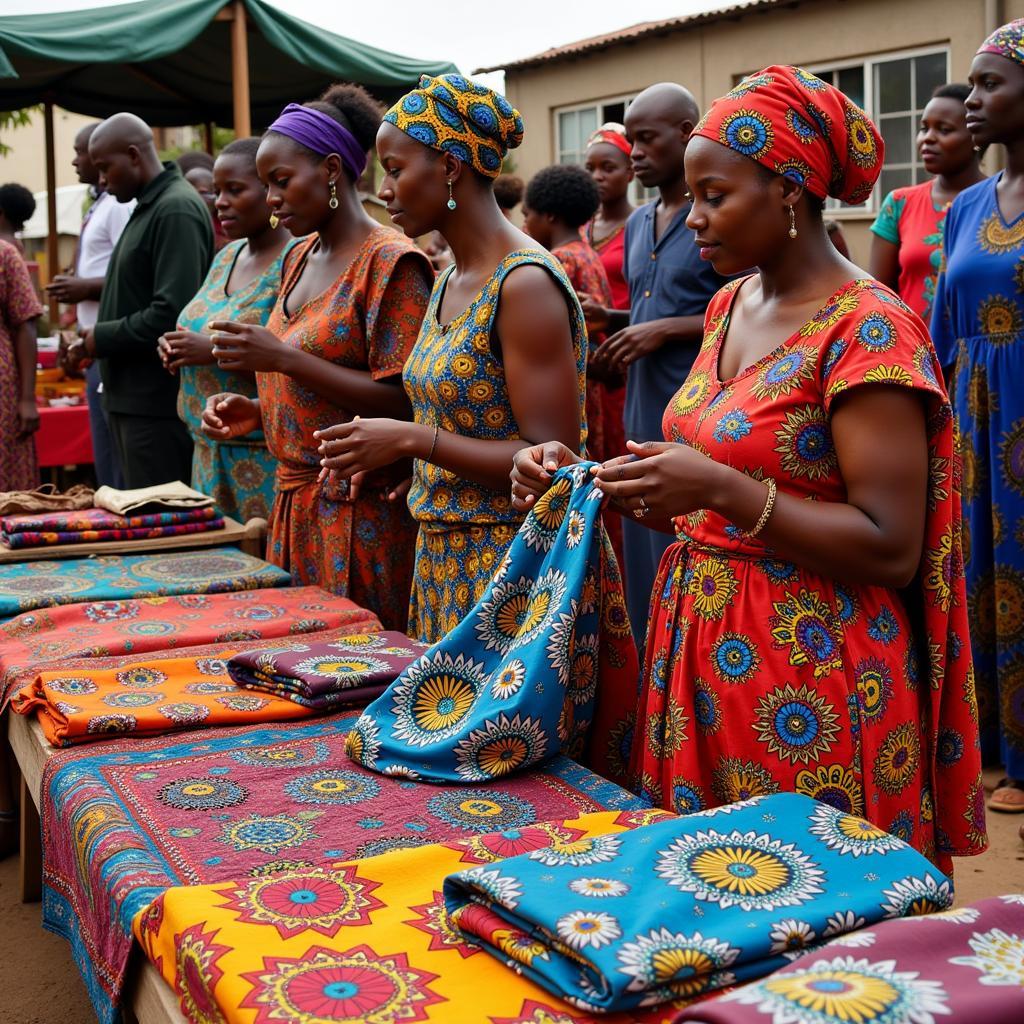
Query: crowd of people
[{"x": 813, "y": 474}]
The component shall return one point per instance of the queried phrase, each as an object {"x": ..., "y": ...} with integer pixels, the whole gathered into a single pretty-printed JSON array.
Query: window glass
[{"x": 892, "y": 86}]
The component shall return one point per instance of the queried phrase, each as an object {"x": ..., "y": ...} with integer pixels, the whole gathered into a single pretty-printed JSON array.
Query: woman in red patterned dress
[
  {"x": 353, "y": 296},
  {"x": 808, "y": 628}
]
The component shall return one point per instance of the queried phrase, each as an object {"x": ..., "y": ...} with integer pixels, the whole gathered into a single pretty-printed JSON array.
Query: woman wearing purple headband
[{"x": 353, "y": 295}]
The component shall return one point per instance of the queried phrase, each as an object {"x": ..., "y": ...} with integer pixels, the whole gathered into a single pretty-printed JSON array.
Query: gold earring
[
  {"x": 792, "y": 223},
  {"x": 333, "y": 201},
  {"x": 451, "y": 199},
  {"x": 274, "y": 221}
]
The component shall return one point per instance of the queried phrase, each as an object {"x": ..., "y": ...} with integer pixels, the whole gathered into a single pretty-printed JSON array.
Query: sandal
[{"x": 1008, "y": 797}]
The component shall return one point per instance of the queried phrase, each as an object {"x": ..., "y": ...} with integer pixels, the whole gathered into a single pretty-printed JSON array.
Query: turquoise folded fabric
[{"x": 689, "y": 905}]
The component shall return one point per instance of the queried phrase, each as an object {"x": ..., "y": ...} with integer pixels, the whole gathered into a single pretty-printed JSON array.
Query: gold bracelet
[
  {"x": 433, "y": 445},
  {"x": 766, "y": 513}
]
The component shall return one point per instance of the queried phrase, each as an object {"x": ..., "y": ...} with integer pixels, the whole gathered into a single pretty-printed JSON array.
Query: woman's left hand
[
  {"x": 667, "y": 479},
  {"x": 247, "y": 347},
  {"x": 28, "y": 418},
  {"x": 362, "y": 445}
]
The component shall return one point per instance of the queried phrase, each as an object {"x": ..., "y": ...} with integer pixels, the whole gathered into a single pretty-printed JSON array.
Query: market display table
[{"x": 64, "y": 437}]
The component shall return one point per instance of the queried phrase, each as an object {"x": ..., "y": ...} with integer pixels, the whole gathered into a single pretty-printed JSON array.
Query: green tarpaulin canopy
[{"x": 169, "y": 61}]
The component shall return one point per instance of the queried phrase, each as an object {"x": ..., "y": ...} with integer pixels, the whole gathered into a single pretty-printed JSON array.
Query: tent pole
[
  {"x": 51, "y": 212},
  {"x": 208, "y": 137},
  {"x": 240, "y": 71}
]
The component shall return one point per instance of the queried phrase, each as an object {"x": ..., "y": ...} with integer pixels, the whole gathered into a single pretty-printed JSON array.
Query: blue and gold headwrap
[{"x": 454, "y": 115}]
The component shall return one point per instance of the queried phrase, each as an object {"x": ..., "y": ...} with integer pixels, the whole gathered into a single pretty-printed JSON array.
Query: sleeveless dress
[
  {"x": 367, "y": 320},
  {"x": 762, "y": 676},
  {"x": 455, "y": 380},
  {"x": 238, "y": 473}
]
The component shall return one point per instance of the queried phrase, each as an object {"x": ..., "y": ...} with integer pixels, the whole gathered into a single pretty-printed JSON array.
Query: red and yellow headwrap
[
  {"x": 614, "y": 134},
  {"x": 793, "y": 123}
]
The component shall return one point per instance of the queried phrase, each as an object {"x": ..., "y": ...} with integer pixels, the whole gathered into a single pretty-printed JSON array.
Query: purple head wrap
[{"x": 322, "y": 134}]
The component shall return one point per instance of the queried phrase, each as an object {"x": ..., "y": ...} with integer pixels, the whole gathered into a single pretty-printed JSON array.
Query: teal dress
[{"x": 238, "y": 474}]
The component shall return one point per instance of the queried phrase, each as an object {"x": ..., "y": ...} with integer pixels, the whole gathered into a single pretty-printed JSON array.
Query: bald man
[
  {"x": 157, "y": 266},
  {"x": 670, "y": 287}
]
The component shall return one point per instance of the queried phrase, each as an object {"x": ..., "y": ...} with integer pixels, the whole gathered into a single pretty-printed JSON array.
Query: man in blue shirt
[{"x": 670, "y": 287}]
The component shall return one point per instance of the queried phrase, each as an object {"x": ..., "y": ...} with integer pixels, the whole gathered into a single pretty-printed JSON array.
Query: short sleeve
[
  {"x": 21, "y": 301},
  {"x": 398, "y": 300},
  {"x": 880, "y": 341},
  {"x": 887, "y": 223}
]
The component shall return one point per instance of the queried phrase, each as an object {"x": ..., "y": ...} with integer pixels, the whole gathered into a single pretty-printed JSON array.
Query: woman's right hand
[
  {"x": 227, "y": 415},
  {"x": 533, "y": 468}
]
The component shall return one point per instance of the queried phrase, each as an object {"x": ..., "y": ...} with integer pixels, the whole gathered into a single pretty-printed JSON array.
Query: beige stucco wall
[
  {"x": 26, "y": 163},
  {"x": 707, "y": 59}
]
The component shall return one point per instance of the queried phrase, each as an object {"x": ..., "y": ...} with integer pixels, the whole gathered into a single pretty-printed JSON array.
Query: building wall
[
  {"x": 709, "y": 58},
  {"x": 26, "y": 163}
]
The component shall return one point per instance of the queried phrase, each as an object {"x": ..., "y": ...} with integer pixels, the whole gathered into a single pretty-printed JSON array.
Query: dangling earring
[
  {"x": 792, "y": 223},
  {"x": 451, "y": 199},
  {"x": 274, "y": 222},
  {"x": 333, "y": 201}
]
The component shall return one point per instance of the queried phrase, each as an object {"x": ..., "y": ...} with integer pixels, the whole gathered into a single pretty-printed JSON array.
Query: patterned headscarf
[
  {"x": 453, "y": 115},
  {"x": 614, "y": 134},
  {"x": 796, "y": 125},
  {"x": 1007, "y": 41}
]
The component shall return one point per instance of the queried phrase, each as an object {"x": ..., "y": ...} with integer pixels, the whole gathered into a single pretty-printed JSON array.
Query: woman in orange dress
[{"x": 352, "y": 298}]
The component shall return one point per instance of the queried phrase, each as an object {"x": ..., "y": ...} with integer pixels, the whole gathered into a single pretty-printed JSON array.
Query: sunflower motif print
[
  {"x": 764, "y": 677},
  {"x": 978, "y": 326}
]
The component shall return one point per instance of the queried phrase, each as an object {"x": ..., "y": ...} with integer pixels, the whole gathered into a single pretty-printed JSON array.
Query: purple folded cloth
[
  {"x": 353, "y": 669},
  {"x": 960, "y": 965}
]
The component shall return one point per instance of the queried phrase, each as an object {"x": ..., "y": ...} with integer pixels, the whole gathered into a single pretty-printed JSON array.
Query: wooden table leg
[{"x": 31, "y": 873}]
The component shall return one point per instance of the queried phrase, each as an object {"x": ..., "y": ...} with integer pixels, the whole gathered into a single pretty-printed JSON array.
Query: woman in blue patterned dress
[
  {"x": 978, "y": 328},
  {"x": 242, "y": 285},
  {"x": 486, "y": 376}
]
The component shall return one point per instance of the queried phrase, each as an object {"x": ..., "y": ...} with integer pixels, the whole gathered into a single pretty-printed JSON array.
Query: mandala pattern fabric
[
  {"x": 238, "y": 474},
  {"x": 978, "y": 328},
  {"x": 34, "y": 641},
  {"x": 690, "y": 905},
  {"x": 25, "y": 586},
  {"x": 793, "y": 123},
  {"x": 322, "y": 676},
  {"x": 455, "y": 380},
  {"x": 762, "y": 675},
  {"x": 959, "y": 965},
  {"x": 367, "y": 320},
  {"x": 364, "y": 942},
  {"x": 518, "y": 679},
  {"x": 123, "y": 822}
]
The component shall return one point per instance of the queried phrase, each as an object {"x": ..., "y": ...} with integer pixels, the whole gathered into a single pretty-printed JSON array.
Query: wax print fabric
[
  {"x": 123, "y": 822},
  {"x": 958, "y": 965},
  {"x": 978, "y": 328},
  {"x": 238, "y": 473},
  {"x": 910, "y": 220},
  {"x": 518, "y": 680},
  {"x": 367, "y": 320},
  {"x": 691, "y": 904},
  {"x": 1007, "y": 41},
  {"x": 321, "y": 676},
  {"x": 455, "y": 380},
  {"x": 28, "y": 585},
  {"x": 30, "y": 539},
  {"x": 369, "y": 941},
  {"x": 762, "y": 675},
  {"x": 92, "y": 519},
  {"x": 37, "y": 640}
]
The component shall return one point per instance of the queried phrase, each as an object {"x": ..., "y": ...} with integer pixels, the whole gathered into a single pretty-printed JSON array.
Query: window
[{"x": 893, "y": 89}]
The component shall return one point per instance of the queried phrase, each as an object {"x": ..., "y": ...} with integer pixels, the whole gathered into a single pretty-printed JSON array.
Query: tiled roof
[{"x": 631, "y": 34}]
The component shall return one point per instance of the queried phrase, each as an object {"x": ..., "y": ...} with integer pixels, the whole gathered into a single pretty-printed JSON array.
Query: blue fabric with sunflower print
[
  {"x": 978, "y": 328},
  {"x": 516, "y": 681},
  {"x": 690, "y": 905}
]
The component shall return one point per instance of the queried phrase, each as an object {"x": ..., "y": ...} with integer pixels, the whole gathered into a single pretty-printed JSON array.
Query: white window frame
[{"x": 870, "y": 208}]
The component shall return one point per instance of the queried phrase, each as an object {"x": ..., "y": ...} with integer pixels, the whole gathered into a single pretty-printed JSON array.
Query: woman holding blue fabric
[
  {"x": 811, "y": 615},
  {"x": 242, "y": 285},
  {"x": 352, "y": 298},
  {"x": 500, "y": 361}
]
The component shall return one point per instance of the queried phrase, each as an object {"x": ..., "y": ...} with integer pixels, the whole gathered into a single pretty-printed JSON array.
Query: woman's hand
[
  {"x": 594, "y": 313},
  {"x": 247, "y": 347},
  {"x": 28, "y": 418},
  {"x": 667, "y": 479},
  {"x": 363, "y": 445},
  {"x": 532, "y": 470},
  {"x": 185, "y": 348},
  {"x": 227, "y": 416}
]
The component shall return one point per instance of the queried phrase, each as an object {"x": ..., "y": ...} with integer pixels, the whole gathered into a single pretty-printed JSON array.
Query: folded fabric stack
[
  {"x": 96, "y": 524},
  {"x": 325, "y": 675},
  {"x": 172, "y": 496},
  {"x": 690, "y": 905}
]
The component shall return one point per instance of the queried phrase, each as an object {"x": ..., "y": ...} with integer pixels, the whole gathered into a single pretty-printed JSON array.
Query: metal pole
[
  {"x": 240, "y": 71},
  {"x": 52, "y": 257}
]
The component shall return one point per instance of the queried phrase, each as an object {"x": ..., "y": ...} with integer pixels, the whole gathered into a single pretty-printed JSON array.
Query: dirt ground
[{"x": 39, "y": 983}]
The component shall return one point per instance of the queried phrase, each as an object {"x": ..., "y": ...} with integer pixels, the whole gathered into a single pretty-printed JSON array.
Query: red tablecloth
[{"x": 64, "y": 438}]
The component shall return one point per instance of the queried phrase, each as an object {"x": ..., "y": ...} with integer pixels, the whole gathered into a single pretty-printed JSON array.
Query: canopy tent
[{"x": 174, "y": 62}]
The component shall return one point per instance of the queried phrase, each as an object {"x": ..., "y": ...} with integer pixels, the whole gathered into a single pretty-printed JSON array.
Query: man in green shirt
[{"x": 156, "y": 268}]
